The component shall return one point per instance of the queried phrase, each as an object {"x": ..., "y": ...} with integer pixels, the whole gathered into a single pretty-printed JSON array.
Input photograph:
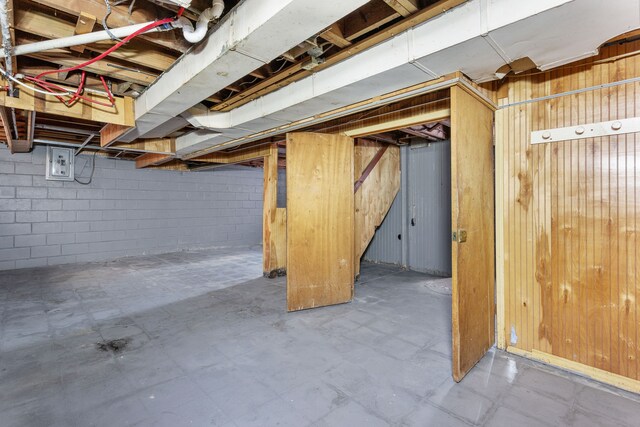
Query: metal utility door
[
  {"x": 429, "y": 207},
  {"x": 472, "y": 216},
  {"x": 320, "y": 220}
]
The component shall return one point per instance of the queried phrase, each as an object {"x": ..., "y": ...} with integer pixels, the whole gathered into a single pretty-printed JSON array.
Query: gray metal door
[{"x": 429, "y": 207}]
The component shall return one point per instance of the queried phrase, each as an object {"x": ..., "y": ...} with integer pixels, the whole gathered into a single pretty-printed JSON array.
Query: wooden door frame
[{"x": 437, "y": 115}]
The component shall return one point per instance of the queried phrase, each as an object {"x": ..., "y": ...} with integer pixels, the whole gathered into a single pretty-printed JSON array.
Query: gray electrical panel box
[{"x": 60, "y": 164}]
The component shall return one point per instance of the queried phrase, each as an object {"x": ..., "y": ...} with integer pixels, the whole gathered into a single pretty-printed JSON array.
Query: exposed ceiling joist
[
  {"x": 153, "y": 159},
  {"x": 41, "y": 24},
  {"x": 119, "y": 17}
]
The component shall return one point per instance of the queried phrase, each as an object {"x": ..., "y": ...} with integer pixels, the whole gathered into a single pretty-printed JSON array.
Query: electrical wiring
[
  {"x": 31, "y": 88},
  {"x": 104, "y": 21},
  {"x": 93, "y": 169},
  {"x": 110, "y": 50},
  {"x": 51, "y": 89},
  {"x": 50, "y": 86}
]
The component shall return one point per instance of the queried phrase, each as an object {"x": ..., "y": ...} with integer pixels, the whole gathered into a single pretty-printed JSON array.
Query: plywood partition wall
[
  {"x": 376, "y": 194},
  {"x": 472, "y": 218},
  {"x": 568, "y": 219},
  {"x": 320, "y": 220}
]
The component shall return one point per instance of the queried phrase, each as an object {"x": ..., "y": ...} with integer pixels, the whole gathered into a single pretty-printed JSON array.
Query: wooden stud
[
  {"x": 6, "y": 126},
  {"x": 84, "y": 25},
  {"x": 273, "y": 242}
]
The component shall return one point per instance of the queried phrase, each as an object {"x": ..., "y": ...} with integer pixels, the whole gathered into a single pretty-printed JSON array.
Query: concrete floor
[{"x": 207, "y": 341}]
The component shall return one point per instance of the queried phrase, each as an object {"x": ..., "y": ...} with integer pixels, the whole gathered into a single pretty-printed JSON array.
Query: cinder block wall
[{"x": 123, "y": 211}]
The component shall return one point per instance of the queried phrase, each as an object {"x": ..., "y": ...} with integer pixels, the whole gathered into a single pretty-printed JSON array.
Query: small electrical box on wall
[{"x": 60, "y": 164}]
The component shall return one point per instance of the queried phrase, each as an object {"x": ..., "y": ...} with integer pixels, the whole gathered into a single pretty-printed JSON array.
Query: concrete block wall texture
[{"x": 123, "y": 212}]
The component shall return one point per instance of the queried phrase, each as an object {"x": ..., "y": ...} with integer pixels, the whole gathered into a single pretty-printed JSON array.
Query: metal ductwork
[
  {"x": 476, "y": 38},
  {"x": 249, "y": 36}
]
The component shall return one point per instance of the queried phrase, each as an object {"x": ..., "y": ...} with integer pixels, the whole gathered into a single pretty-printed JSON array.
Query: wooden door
[
  {"x": 472, "y": 203},
  {"x": 320, "y": 220}
]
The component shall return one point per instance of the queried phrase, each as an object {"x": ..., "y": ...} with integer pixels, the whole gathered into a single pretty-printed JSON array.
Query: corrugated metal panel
[
  {"x": 429, "y": 188},
  {"x": 385, "y": 246},
  {"x": 427, "y": 184},
  {"x": 282, "y": 188}
]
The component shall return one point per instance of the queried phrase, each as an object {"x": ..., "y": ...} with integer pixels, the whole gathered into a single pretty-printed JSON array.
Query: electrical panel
[{"x": 60, "y": 164}]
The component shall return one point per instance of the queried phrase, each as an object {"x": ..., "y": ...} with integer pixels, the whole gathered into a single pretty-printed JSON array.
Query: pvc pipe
[
  {"x": 79, "y": 39},
  {"x": 195, "y": 35}
]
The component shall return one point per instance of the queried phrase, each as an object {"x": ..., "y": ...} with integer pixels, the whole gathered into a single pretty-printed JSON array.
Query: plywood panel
[
  {"x": 376, "y": 194},
  {"x": 472, "y": 201},
  {"x": 270, "y": 255},
  {"x": 320, "y": 220},
  {"x": 569, "y": 217}
]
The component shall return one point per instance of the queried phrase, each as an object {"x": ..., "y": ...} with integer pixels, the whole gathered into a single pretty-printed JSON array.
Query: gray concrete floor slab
[{"x": 205, "y": 340}]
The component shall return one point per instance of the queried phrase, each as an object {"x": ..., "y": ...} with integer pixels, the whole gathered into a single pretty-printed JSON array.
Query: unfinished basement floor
[{"x": 200, "y": 338}]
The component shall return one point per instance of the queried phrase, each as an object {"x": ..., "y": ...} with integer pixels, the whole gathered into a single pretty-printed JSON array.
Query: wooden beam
[
  {"x": 403, "y": 7},
  {"x": 372, "y": 164},
  {"x": 153, "y": 159},
  {"x": 143, "y": 12},
  {"x": 271, "y": 259},
  {"x": 293, "y": 54},
  {"x": 6, "y": 126},
  {"x": 334, "y": 35},
  {"x": 110, "y": 132},
  {"x": 235, "y": 156},
  {"x": 31, "y": 128},
  {"x": 372, "y": 15},
  {"x": 101, "y": 67},
  {"x": 122, "y": 113},
  {"x": 159, "y": 145},
  {"x": 296, "y": 72},
  {"x": 52, "y": 27},
  {"x": 430, "y": 116},
  {"x": 84, "y": 25},
  {"x": 173, "y": 165}
]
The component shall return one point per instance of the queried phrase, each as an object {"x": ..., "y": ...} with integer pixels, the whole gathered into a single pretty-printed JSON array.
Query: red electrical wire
[
  {"x": 76, "y": 96},
  {"x": 49, "y": 86},
  {"x": 110, "y": 50}
]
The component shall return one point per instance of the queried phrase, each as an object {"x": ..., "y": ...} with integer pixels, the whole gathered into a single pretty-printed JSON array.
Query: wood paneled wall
[
  {"x": 374, "y": 198},
  {"x": 568, "y": 217}
]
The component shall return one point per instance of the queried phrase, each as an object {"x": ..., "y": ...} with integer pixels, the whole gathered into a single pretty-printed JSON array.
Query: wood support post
[{"x": 273, "y": 235}]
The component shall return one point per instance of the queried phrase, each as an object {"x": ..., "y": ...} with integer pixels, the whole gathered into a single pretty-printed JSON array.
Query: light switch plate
[{"x": 60, "y": 164}]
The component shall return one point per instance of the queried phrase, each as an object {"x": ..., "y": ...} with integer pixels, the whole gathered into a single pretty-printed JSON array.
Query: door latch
[{"x": 459, "y": 236}]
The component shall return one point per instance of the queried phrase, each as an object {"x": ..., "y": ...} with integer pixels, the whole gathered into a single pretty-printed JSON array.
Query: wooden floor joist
[
  {"x": 153, "y": 159},
  {"x": 121, "y": 113},
  {"x": 238, "y": 156}
]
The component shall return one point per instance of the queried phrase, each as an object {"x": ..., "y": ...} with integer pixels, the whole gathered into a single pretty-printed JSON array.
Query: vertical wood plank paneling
[
  {"x": 569, "y": 280},
  {"x": 472, "y": 209}
]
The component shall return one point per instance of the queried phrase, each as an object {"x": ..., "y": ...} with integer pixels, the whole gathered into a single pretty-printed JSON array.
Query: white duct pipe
[
  {"x": 80, "y": 39},
  {"x": 195, "y": 35},
  {"x": 191, "y": 35}
]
